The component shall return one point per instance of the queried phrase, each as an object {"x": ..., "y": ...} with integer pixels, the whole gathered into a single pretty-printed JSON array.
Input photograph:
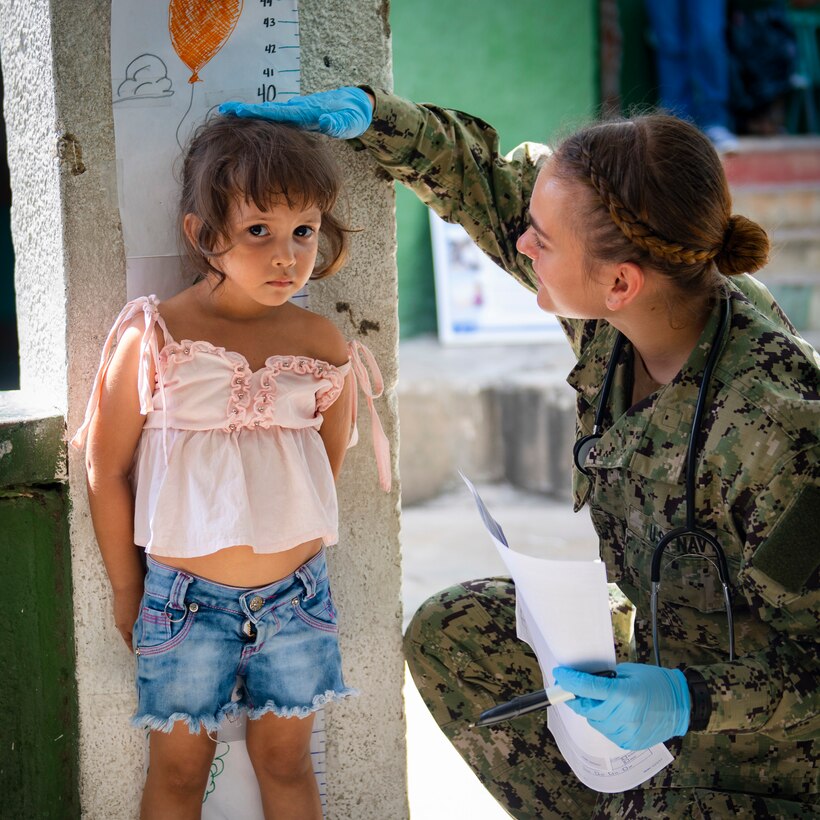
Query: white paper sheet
[{"x": 562, "y": 612}]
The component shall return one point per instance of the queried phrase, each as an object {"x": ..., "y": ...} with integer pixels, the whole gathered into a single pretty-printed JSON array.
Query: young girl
[{"x": 215, "y": 429}]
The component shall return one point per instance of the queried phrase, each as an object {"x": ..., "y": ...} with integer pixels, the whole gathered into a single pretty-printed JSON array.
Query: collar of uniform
[
  {"x": 587, "y": 377},
  {"x": 652, "y": 436}
]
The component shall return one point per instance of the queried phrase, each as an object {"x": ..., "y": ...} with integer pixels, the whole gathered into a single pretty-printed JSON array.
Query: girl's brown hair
[
  {"x": 262, "y": 161},
  {"x": 659, "y": 197}
]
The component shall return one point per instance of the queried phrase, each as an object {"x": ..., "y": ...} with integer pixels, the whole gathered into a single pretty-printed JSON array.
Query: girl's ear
[
  {"x": 626, "y": 282},
  {"x": 192, "y": 225}
]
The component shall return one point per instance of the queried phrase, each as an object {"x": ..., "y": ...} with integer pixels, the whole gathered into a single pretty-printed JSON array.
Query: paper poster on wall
[
  {"x": 477, "y": 302},
  {"x": 171, "y": 65}
]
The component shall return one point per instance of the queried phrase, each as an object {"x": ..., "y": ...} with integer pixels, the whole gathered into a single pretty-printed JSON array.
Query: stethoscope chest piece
[{"x": 581, "y": 450}]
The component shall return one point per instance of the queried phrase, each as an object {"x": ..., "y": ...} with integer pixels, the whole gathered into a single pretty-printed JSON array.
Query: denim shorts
[{"x": 193, "y": 639}]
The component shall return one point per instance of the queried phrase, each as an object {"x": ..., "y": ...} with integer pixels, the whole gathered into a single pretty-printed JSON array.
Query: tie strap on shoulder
[
  {"x": 148, "y": 350},
  {"x": 372, "y": 390}
]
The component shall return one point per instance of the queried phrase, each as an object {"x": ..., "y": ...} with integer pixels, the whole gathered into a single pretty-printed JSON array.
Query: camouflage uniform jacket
[{"x": 758, "y": 479}]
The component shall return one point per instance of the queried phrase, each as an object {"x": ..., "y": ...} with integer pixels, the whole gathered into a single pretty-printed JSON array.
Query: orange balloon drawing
[{"x": 199, "y": 28}]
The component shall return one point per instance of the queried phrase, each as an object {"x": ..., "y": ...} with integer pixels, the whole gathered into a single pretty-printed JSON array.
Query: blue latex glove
[
  {"x": 642, "y": 706},
  {"x": 343, "y": 113}
]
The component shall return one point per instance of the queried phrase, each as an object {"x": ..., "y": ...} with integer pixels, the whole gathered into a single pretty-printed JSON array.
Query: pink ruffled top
[{"x": 228, "y": 455}]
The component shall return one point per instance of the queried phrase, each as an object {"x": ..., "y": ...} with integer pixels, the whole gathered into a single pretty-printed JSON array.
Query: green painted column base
[{"x": 38, "y": 692}]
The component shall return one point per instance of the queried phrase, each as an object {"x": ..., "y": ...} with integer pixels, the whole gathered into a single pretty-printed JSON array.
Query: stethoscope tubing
[{"x": 690, "y": 529}]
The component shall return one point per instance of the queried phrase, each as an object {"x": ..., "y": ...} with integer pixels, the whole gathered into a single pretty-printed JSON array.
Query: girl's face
[
  {"x": 558, "y": 259},
  {"x": 273, "y": 251}
]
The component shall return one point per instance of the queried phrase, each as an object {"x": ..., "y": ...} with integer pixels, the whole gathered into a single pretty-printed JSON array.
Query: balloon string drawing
[{"x": 199, "y": 29}]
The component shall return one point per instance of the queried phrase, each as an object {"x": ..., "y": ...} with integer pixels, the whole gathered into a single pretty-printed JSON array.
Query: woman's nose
[{"x": 523, "y": 244}]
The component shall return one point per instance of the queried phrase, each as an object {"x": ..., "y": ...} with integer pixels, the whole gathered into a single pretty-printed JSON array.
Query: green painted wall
[
  {"x": 38, "y": 693},
  {"x": 638, "y": 86},
  {"x": 528, "y": 67}
]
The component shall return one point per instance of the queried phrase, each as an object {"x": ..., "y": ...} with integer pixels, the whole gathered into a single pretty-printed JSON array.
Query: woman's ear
[
  {"x": 626, "y": 281},
  {"x": 192, "y": 225}
]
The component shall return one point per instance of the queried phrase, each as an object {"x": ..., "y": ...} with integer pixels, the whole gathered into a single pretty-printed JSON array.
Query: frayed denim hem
[
  {"x": 302, "y": 711},
  {"x": 210, "y": 722}
]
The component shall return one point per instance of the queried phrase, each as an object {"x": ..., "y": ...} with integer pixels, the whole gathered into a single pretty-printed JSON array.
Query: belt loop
[
  {"x": 308, "y": 580},
  {"x": 176, "y": 599}
]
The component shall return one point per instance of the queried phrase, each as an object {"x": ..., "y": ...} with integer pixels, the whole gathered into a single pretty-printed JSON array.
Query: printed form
[{"x": 562, "y": 612}]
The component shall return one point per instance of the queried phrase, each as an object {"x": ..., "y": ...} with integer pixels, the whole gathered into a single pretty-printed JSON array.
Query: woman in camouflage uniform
[{"x": 627, "y": 228}]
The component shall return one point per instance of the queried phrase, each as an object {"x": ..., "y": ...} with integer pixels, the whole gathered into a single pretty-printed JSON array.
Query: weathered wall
[
  {"x": 70, "y": 286},
  {"x": 346, "y": 42},
  {"x": 37, "y": 219}
]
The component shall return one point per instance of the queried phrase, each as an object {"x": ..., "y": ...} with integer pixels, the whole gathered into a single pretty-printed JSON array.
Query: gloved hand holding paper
[{"x": 562, "y": 609}]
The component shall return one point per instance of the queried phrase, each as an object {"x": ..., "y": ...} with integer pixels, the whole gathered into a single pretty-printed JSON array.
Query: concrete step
[
  {"x": 458, "y": 410},
  {"x": 795, "y": 255},
  {"x": 776, "y": 182},
  {"x": 774, "y": 161},
  {"x": 780, "y": 206}
]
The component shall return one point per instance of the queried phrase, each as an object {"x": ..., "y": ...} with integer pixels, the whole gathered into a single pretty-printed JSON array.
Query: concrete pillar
[
  {"x": 70, "y": 281},
  {"x": 345, "y": 42}
]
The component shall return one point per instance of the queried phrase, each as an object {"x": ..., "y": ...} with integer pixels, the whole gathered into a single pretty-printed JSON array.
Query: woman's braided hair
[{"x": 661, "y": 200}]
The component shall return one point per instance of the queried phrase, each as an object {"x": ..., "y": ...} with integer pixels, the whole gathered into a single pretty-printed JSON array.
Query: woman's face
[{"x": 565, "y": 287}]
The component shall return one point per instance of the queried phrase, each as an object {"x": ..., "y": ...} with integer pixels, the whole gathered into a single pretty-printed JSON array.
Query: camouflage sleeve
[
  {"x": 776, "y": 691},
  {"x": 451, "y": 161}
]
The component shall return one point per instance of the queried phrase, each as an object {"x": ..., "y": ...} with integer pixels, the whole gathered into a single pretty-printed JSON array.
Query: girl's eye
[
  {"x": 258, "y": 230},
  {"x": 304, "y": 231}
]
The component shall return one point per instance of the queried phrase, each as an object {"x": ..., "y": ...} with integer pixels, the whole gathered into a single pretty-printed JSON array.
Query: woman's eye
[
  {"x": 304, "y": 231},
  {"x": 258, "y": 230}
]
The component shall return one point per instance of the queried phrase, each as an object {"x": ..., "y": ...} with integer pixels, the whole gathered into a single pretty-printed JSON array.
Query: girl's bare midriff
[{"x": 240, "y": 566}]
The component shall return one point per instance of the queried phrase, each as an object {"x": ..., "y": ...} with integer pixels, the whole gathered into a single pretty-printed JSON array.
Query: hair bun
[{"x": 745, "y": 247}]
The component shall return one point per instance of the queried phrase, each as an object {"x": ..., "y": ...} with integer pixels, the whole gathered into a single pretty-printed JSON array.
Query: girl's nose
[
  {"x": 282, "y": 255},
  {"x": 524, "y": 245}
]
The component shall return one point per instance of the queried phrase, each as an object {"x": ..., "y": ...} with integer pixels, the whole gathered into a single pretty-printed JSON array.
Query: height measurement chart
[{"x": 172, "y": 64}]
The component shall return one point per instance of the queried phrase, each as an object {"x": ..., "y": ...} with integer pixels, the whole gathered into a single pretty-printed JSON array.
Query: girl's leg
[
  {"x": 279, "y": 749},
  {"x": 177, "y": 774}
]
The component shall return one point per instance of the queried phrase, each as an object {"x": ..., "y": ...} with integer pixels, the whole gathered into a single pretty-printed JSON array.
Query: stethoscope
[{"x": 690, "y": 529}]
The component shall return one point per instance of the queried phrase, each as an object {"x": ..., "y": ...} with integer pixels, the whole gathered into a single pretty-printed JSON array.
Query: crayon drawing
[{"x": 199, "y": 29}]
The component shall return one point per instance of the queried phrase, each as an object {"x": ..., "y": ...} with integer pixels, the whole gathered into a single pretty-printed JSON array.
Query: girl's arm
[
  {"x": 337, "y": 424},
  {"x": 112, "y": 441}
]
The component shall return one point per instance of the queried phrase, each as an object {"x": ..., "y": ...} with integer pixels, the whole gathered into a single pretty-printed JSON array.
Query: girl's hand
[
  {"x": 343, "y": 113},
  {"x": 126, "y": 609}
]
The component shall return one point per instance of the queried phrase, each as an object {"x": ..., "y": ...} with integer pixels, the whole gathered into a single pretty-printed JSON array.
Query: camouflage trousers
[{"x": 465, "y": 657}]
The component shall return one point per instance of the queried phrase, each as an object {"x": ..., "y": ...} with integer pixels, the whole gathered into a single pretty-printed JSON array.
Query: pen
[{"x": 529, "y": 703}]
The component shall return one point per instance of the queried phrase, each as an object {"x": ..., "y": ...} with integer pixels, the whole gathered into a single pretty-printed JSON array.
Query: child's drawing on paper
[
  {"x": 146, "y": 77},
  {"x": 199, "y": 29}
]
